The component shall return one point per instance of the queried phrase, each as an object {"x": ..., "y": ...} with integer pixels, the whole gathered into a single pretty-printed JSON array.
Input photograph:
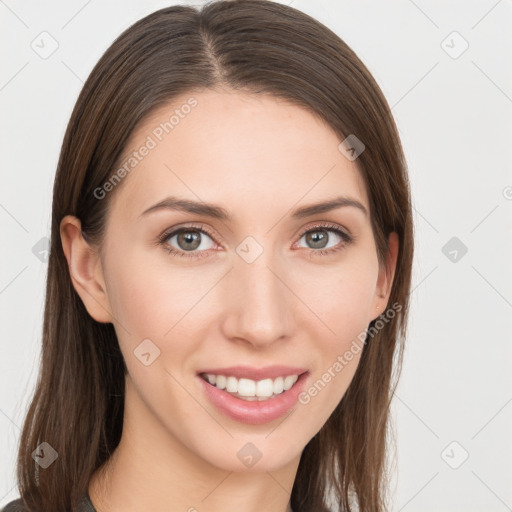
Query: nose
[{"x": 258, "y": 307}]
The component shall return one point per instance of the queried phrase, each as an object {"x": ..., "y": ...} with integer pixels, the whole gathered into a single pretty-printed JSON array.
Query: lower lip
[{"x": 255, "y": 413}]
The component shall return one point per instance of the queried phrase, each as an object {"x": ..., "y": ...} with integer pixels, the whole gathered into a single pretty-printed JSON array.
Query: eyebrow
[{"x": 217, "y": 212}]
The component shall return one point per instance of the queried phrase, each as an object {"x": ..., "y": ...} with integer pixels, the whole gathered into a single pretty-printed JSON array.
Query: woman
[{"x": 228, "y": 280}]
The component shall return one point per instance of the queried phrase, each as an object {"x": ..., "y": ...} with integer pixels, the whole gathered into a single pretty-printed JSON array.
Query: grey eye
[
  {"x": 319, "y": 237},
  {"x": 191, "y": 239}
]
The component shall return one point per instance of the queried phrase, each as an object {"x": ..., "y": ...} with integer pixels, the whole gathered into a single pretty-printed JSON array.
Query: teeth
[
  {"x": 249, "y": 389},
  {"x": 220, "y": 381},
  {"x": 290, "y": 381},
  {"x": 231, "y": 385},
  {"x": 279, "y": 385}
]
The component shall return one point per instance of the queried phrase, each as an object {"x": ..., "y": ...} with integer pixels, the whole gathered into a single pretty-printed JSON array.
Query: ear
[
  {"x": 386, "y": 276},
  {"x": 85, "y": 269}
]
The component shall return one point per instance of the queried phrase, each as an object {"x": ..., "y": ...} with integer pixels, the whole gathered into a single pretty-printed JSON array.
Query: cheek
[
  {"x": 145, "y": 297},
  {"x": 343, "y": 308},
  {"x": 155, "y": 303},
  {"x": 342, "y": 299},
  {"x": 341, "y": 296}
]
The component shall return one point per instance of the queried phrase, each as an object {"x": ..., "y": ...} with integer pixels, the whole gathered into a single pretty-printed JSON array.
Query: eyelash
[{"x": 166, "y": 236}]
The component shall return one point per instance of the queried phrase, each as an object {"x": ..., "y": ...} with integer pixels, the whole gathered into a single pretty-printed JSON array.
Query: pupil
[
  {"x": 188, "y": 237},
  {"x": 318, "y": 239}
]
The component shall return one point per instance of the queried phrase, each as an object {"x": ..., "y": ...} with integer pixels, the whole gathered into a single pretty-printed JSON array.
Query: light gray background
[{"x": 453, "y": 113}]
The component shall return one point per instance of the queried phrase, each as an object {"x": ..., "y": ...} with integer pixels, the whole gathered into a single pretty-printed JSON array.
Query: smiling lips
[
  {"x": 252, "y": 395},
  {"x": 255, "y": 383}
]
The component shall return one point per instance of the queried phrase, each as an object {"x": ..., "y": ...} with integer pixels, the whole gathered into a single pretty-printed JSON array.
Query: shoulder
[
  {"x": 18, "y": 506},
  {"x": 15, "y": 506}
]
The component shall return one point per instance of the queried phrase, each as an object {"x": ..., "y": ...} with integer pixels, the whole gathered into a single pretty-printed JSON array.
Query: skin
[{"x": 258, "y": 157}]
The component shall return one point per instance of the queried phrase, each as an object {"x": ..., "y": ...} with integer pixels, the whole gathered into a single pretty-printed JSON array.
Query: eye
[
  {"x": 189, "y": 239},
  {"x": 194, "y": 241},
  {"x": 318, "y": 237}
]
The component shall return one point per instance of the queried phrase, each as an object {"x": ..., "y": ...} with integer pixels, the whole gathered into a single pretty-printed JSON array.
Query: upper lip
[{"x": 250, "y": 372}]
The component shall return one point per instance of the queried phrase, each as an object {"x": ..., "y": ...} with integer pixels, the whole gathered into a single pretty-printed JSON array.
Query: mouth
[
  {"x": 253, "y": 401},
  {"x": 249, "y": 389}
]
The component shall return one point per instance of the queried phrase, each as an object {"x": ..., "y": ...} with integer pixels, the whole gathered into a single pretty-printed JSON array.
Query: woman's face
[{"x": 270, "y": 284}]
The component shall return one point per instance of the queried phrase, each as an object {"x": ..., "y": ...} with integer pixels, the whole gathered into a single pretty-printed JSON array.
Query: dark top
[
  {"x": 85, "y": 506},
  {"x": 17, "y": 505}
]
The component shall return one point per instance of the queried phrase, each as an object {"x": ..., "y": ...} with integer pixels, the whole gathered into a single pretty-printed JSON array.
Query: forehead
[{"x": 252, "y": 153}]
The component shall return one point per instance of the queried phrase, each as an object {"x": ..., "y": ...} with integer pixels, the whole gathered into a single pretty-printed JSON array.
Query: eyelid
[
  {"x": 328, "y": 225},
  {"x": 176, "y": 229}
]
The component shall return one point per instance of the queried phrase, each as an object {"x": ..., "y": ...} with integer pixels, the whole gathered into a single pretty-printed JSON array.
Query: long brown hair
[{"x": 261, "y": 47}]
